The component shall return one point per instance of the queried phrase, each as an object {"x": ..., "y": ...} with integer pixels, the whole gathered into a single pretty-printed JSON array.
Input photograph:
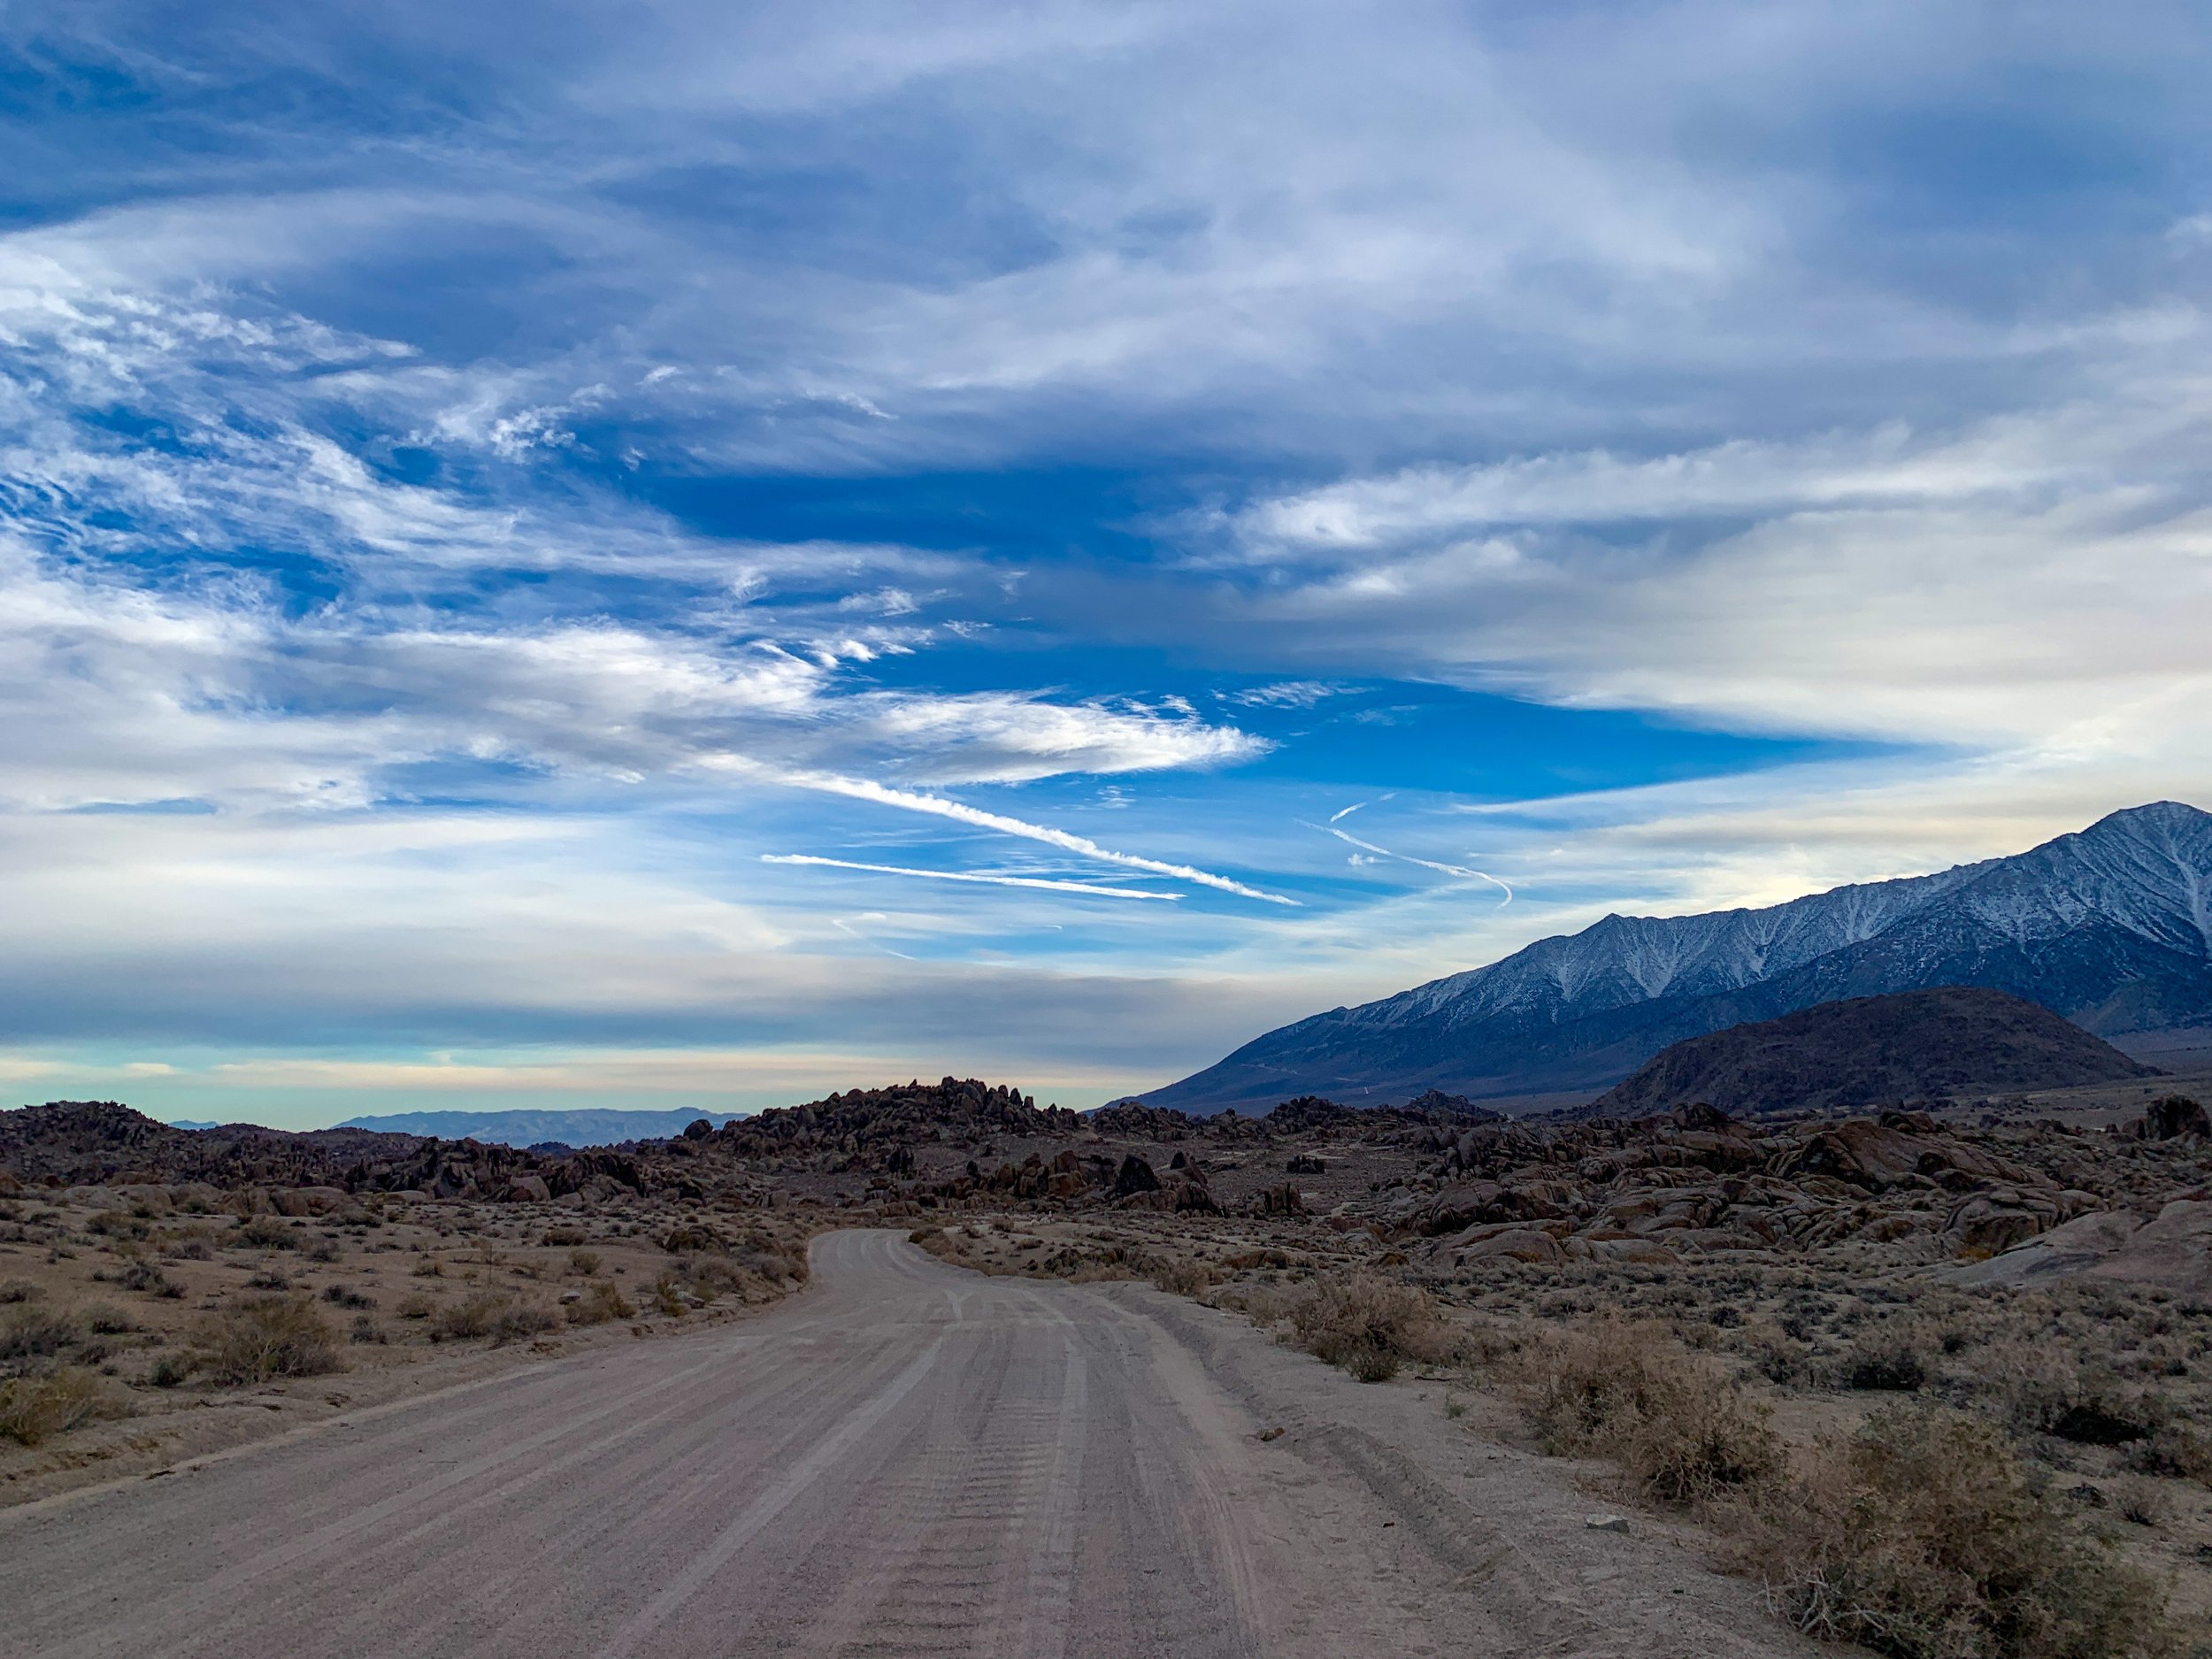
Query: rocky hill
[
  {"x": 97, "y": 1143},
  {"x": 1867, "y": 1050},
  {"x": 2111, "y": 927}
]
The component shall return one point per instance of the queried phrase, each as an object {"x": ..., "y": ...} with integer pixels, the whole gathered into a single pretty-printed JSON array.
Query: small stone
[{"x": 1606, "y": 1522}]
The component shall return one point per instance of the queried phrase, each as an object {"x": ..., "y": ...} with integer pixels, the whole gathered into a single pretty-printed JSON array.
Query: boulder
[
  {"x": 1135, "y": 1176},
  {"x": 2173, "y": 1252},
  {"x": 307, "y": 1201},
  {"x": 1511, "y": 1244},
  {"x": 2068, "y": 1248},
  {"x": 1623, "y": 1249},
  {"x": 1999, "y": 1219}
]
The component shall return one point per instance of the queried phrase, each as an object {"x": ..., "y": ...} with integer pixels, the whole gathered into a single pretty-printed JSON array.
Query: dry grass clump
[
  {"x": 1678, "y": 1423},
  {"x": 1370, "y": 1325},
  {"x": 1921, "y": 1537},
  {"x": 265, "y": 1336},
  {"x": 600, "y": 1301},
  {"x": 33, "y": 1407}
]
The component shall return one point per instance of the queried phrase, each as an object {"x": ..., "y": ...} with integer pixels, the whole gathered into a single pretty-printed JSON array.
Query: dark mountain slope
[
  {"x": 1869, "y": 1049},
  {"x": 2111, "y": 927}
]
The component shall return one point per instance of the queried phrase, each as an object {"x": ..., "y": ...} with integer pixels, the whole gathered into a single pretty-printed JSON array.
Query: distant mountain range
[
  {"x": 586, "y": 1128},
  {"x": 1869, "y": 1050},
  {"x": 2111, "y": 927}
]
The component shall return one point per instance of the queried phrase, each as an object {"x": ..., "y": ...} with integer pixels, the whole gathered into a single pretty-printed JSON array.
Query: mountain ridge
[
  {"x": 587, "y": 1126},
  {"x": 2110, "y": 926}
]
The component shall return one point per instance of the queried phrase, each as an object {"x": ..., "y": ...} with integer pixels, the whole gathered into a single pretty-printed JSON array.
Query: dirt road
[{"x": 907, "y": 1459}]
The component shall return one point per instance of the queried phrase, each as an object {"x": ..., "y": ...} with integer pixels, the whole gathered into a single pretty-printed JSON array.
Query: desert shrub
[
  {"x": 2142, "y": 1502},
  {"x": 415, "y": 1305},
  {"x": 2173, "y": 1449},
  {"x": 104, "y": 1318},
  {"x": 170, "y": 1370},
  {"x": 366, "y": 1329},
  {"x": 470, "y": 1317},
  {"x": 1373, "y": 1364},
  {"x": 269, "y": 1279},
  {"x": 264, "y": 1232},
  {"x": 430, "y": 1267},
  {"x": 668, "y": 1295},
  {"x": 503, "y": 1318},
  {"x": 33, "y": 1407},
  {"x": 324, "y": 1250},
  {"x": 343, "y": 1297},
  {"x": 583, "y": 1263},
  {"x": 2039, "y": 1388},
  {"x": 144, "y": 1276},
  {"x": 600, "y": 1303},
  {"x": 28, "y": 1332},
  {"x": 771, "y": 1258},
  {"x": 1182, "y": 1277},
  {"x": 1342, "y": 1320},
  {"x": 17, "y": 1291},
  {"x": 265, "y": 1336},
  {"x": 560, "y": 1238},
  {"x": 1921, "y": 1537},
  {"x": 710, "y": 1278},
  {"x": 1678, "y": 1423},
  {"x": 521, "y": 1318},
  {"x": 1884, "y": 1359}
]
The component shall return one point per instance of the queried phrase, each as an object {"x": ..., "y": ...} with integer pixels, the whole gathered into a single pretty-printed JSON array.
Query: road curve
[{"x": 907, "y": 1459}]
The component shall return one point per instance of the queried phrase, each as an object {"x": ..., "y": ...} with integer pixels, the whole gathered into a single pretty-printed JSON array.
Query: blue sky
[{"x": 700, "y": 554}]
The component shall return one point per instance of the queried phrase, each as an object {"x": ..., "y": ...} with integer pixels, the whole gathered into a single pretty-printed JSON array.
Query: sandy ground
[{"x": 907, "y": 1458}]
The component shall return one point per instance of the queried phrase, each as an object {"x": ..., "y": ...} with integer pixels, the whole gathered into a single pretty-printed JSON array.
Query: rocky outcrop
[
  {"x": 862, "y": 1128},
  {"x": 1694, "y": 1183},
  {"x": 2173, "y": 1119}
]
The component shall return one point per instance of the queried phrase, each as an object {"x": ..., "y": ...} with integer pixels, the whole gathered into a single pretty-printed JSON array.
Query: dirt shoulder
[{"x": 2083, "y": 1404}]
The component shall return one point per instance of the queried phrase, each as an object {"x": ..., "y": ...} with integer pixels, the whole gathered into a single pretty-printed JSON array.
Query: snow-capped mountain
[{"x": 2111, "y": 927}]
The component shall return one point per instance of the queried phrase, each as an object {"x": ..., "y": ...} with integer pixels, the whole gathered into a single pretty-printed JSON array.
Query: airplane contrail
[
  {"x": 960, "y": 875},
  {"x": 1347, "y": 811},
  {"x": 912, "y": 800},
  {"x": 1426, "y": 863}
]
